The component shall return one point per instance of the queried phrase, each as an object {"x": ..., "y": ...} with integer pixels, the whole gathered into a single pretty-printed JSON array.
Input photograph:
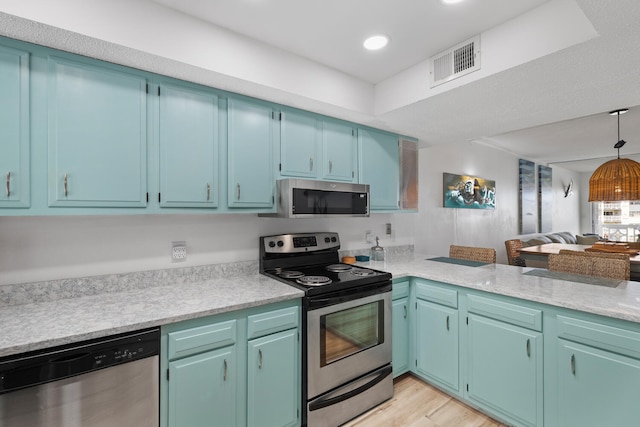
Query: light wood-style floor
[{"x": 417, "y": 404}]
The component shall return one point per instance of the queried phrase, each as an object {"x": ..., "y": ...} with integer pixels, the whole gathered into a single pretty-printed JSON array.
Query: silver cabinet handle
[
  {"x": 528, "y": 347},
  {"x": 225, "y": 370},
  {"x": 65, "y": 185},
  {"x": 330, "y": 166},
  {"x": 573, "y": 364},
  {"x": 208, "y": 192},
  {"x": 238, "y": 191},
  {"x": 8, "y": 184},
  {"x": 447, "y": 323},
  {"x": 405, "y": 311},
  {"x": 260, "y": 359},
  {"x": 310, "y": 164}
]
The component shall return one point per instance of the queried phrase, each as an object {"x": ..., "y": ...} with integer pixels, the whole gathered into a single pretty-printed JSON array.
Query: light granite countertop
[
  {"x": 621, "y": 301},
  {"x": 81, "y": 315},
  {"x": 39, "y": 325}
]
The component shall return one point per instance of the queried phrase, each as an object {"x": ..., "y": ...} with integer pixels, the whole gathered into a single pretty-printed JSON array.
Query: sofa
[{"x": 561, "y": 237}]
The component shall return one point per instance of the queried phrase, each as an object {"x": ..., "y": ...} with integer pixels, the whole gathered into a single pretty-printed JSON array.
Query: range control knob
[
  {"x": 272, "y": 244},
  {"x": 333, "y": 239},
  {"x": 280, "y": 243},
  {"x": 327, "y": 240}
]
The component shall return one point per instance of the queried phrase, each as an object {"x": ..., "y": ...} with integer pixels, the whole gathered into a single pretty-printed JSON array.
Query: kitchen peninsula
[{"x": 551, "y": 332}]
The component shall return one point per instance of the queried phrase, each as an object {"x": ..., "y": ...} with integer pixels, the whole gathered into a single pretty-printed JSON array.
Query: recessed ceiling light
[
  {"x": 376, "y": 42},
  {"x": 451, "y": 1}
]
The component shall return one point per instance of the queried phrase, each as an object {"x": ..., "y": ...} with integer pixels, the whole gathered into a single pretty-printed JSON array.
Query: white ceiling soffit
[{"x": 331, "y": 32}]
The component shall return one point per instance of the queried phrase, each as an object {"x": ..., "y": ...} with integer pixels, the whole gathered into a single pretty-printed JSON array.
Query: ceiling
[
  {"x": 331, "y": 32},
  {"x": 552, "y": 110}
]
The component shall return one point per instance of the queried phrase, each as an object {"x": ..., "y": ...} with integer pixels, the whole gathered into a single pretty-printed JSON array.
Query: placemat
[
  {"x": 458, "y": 261},
  {"x": 589, "y": 280}
]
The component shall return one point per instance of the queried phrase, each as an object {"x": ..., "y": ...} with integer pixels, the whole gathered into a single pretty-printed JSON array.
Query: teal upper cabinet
[
  {"x": 251, "y": 130},
  {"x": 14, "y": 128},
  {"x": 188, "y": 137},
  {"x": 299, "y": 142},
  {"x": 339, "y": 151},
  {"x": 97, "y": 135},
  {"x": 380, "y": 167}
]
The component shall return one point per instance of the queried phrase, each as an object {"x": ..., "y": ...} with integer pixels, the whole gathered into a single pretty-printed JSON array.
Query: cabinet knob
[
  {"x": 310, "y": 164},
  {"x": 225, "y": 370},
  {"x": 528, "y": 347},
  {"x": 8, "y": 184},
  {"x": 238, "y": 186},
  {"x": 259, "y": 359},
  {"x": 65, "y": 185},
  {"x": 330, "y": 166},
  {"x": 405, "y": 311},
  {"x": 447, "y": 323},
  {"x": 208, "y": 192}
]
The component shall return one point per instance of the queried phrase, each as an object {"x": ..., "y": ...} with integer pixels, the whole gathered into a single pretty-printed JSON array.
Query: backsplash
[{"x": 53, "y": 290}]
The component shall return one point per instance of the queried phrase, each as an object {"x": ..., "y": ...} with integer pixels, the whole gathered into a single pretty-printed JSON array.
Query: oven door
[{"x": 347, "y": 337}]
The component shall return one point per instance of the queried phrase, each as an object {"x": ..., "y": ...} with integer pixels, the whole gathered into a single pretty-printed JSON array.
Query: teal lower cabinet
[
  {"x": 598, "y": 374},
  {"x": 437, "y": 336},
  {"x": 203, "y": 388},
  {"x": 272, "y": 380},
  {"x": 400, "y": 327},
  {"x": 239, "y": 368}
]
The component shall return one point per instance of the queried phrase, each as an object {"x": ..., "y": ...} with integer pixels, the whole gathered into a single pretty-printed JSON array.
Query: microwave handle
[{"x": 328, "y": 401}]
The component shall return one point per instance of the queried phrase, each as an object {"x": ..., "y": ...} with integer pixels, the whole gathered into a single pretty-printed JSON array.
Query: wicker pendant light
[{"x": 617, "y": 179}]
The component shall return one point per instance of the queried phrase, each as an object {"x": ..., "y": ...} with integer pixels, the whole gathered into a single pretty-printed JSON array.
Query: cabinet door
[
  {"x": 299, "y": 142},
  {"x": 188, "y": 127},
  {"x": 273, "y": 396},
  {"x": 97, "y": 136},
  {"x": 14, "y": 128},
  {"x": 340, "y": 149},
  {"x": 250, "y": 151},
  {"x": 202, "y": 389},
  {"x": 380, "y": 167},
  {"x": 596, "y": 387},
  {"x": 437, "y": 344},
  {"x": 505, "y": 369},
  {"x": 400, "y": 334}
]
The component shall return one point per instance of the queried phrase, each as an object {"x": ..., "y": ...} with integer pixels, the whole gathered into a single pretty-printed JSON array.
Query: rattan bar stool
[
  {"x": 472, "y": 253},
  {"x": 597, "y": 264},
  {"x": 513, "y": 252}
]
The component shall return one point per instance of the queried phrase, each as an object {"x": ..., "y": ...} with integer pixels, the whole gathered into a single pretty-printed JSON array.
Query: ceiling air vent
[{"x": 455, "y": 62}]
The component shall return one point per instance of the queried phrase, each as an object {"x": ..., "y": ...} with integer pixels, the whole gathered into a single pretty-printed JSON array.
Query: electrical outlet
[
  {"x": 388, "y": 228},
  {"x": 368, "y": 236},
  {"x": 179, "y": 251}
]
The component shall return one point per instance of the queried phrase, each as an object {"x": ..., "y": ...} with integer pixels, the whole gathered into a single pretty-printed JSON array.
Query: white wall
[
  {"x": 438, "y": 227},
  {"x": 47, "y": 248}
]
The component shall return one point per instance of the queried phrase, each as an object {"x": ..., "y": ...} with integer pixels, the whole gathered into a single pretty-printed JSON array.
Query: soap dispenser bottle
[{"x": 377, "y": 251}]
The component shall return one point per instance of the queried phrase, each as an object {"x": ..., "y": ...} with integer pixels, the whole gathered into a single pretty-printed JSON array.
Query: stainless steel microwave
[{"x": 304, "y": 198}]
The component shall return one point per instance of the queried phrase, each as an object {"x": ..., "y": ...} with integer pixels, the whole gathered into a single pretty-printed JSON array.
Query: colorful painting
[
  {"x": 528, "y": 199},
  {"x": 545, "y": 199},
  {"x": 469, "y": 192}
]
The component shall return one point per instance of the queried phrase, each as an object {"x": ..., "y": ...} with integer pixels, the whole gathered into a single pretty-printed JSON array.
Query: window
[{"x": 618, "y": 221}]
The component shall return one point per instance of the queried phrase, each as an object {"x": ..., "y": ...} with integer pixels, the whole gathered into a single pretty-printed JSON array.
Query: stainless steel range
[{"x": 346, "y": 353}]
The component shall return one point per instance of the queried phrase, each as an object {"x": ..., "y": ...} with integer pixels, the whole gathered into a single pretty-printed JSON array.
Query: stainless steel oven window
[
  {"x": 337, "y": 370},
  {"x": 347, "y": 332}
]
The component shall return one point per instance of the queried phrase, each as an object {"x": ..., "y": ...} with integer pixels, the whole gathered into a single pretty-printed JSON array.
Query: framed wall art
[{"x": 467, "y": 191}]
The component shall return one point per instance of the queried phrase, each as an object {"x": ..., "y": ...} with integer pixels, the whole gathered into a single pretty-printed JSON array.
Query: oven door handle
[{"x": 323, "y": 403}]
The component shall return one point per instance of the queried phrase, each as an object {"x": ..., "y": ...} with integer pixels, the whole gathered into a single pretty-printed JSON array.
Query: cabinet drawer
[
  {"x": 436, "y": 294},
  {"x": 263, "y": 324},
  {"x": 400, "y": 290},
  {"x": 203, "y": 338},
  {"x": 617, "y": 340},
  {"x": 506, "y": 312}
]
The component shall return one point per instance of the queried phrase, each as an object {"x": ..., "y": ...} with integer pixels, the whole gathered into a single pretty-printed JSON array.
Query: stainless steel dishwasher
[{"x": 107, "y": 382}]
